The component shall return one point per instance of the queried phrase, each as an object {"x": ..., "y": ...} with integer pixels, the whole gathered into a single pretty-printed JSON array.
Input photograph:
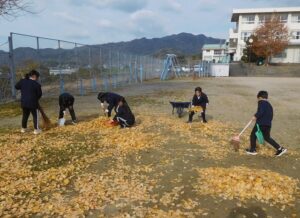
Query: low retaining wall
[{"x": 252, "y": 70}]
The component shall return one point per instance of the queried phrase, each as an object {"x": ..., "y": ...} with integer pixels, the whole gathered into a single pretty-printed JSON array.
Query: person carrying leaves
[
  {"x": 200, "y": 99},
  {"x": 112, "y": 99},
  {"x": 263, "y": 119},
  {"x": 31, "y": 92}
]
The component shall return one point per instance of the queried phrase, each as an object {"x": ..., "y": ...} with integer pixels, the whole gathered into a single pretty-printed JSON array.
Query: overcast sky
[{"x": 101, "y": 21}]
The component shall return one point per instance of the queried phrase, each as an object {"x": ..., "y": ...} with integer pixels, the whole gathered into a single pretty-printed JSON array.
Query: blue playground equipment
[{"x": 171, "y": 67}]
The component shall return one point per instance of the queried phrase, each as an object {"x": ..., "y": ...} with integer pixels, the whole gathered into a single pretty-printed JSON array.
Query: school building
[
  {"x": 247, "y": 20},
  {"x": 214, "y": 52}
]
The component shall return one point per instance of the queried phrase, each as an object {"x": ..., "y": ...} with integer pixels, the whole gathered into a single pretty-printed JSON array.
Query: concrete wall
[{"x": 251, "y": 70}]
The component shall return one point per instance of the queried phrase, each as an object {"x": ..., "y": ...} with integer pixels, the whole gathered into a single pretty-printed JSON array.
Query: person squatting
[{"x": 199, "y": 99}]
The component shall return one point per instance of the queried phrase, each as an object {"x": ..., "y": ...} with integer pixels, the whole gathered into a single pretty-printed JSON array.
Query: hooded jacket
[
  {"x": 201, "y": 101},
  {"x": 31, "y": 92},
  {"x": 264, "y": 114},
  {"x": 111, "y": 98},
  {"x": 66, "y": 100}
]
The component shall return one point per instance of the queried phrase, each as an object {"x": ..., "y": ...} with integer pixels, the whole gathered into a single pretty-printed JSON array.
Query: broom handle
[{"x": 246, "y": 127}]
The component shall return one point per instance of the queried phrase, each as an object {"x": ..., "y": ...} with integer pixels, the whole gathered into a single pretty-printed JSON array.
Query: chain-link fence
[
  {"x": 5, "y": 78},
  {"x": 71, "y": 67}
]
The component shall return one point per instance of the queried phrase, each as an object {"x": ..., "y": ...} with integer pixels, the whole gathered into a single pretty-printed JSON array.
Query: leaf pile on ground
[{"x": 244, "y": 183}]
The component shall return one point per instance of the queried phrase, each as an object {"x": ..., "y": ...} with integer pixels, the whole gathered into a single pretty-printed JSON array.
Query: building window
[
  {"x": 296, "y": 35},
  {"x": 207, "y": 50},
  {"x": 296, "y": 18},
  {"x": 246, "y": 36},
  {"x": 281, "y": 55},
  {"x": 248, "y": 19},
  {"x": 283, "y": 18},
  {"x": 264, "y": 18},
  {"x": 217, "y": 52}
]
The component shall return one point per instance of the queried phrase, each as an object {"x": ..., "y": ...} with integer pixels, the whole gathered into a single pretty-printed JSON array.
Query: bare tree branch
[{"x": 14, "y": 8}]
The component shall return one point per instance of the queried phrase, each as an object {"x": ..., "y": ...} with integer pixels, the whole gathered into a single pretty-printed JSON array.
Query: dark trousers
[
  {"x": 125, "y": 123},
  {"x": 71, "y": 110},
  {"x": 193, "y": 113},
  {"x": 266, "y": 130},
  {"x": 26, "y": 113}
]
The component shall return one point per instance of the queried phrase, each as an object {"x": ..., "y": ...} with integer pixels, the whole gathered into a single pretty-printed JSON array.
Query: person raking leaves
[
  {"x": 112, "y": 99},
  {"x": 200, "y": 99},
  {"x": 263, "y": 124},
  {"x": 66, "y": 101},
  {"x": 31, "y": 92},
  {"x": 124, "y": 117}
]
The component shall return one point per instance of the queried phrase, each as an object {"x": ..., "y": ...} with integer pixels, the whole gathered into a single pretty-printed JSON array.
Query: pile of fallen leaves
[
  {"x": 50, "y": 174},
  {"x": 37, "y": 170},
  {"x": 243, "y": 183},
  {"x": 212, "y": 137}
]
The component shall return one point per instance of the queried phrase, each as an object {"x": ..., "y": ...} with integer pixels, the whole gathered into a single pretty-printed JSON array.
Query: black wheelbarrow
[{"x": 180, "y": 106}]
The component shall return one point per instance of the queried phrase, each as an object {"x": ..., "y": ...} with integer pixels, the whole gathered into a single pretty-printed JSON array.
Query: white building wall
[
  {"x": 210, "y": 56},
  {"x": 293, "y": 52}
]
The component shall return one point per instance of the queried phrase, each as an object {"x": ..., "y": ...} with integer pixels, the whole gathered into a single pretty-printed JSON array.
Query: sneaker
[
  {"x": 189, "y": 122},
  {"x": 204, "y": 121},
  {"x": 74, "y": 122},
  {"x": 37, "y": 131},
  {"x": 281, "y": 152},
  {"x": 23, "y": 130},
  {"x": 248, "y": 151}
]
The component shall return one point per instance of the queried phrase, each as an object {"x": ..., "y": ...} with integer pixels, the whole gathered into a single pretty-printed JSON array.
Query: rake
[
  {"x": 235, "y": 141},
  {"x": 45, "y": 119}
]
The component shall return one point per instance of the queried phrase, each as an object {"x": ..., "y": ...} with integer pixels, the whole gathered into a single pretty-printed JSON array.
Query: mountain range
[{"x": 181, "y": 44}]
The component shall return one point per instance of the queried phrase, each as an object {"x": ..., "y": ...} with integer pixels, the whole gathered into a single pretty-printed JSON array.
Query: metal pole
[
  {"x": 38, "y": 54},
  {"x": 12, "y": 66},
  {"x": 60, "y": 73},
  {"x": 100, "y": 59},
  {"x": 152, "y": 63},
  {"x": 130, "y": 69}
]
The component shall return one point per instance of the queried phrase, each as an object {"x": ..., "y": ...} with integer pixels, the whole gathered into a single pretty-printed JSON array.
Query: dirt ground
[{"x": 163, "y": 167}]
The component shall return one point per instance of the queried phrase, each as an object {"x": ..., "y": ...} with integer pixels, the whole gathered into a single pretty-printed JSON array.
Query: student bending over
[{"x": 124, "y": 115}]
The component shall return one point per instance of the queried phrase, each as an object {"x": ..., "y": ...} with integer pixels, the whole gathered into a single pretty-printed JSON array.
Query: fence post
[
  {"x": 105, "y": 84},
  {"x": 61, "y": 83},
  {"x": 141, "y": 72},
  {"x": 12, "y": 66},
  {"x": 81, "y": 87},
  {"x": 130, "y": 69},
  {"x": 152, "y": 71},
  {"x": 135, "y": 70},
  {"x": 38, "y": 54}
]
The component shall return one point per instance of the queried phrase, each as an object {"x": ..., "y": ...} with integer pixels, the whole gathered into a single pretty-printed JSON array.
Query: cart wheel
[{"x": 179, "y": 112}]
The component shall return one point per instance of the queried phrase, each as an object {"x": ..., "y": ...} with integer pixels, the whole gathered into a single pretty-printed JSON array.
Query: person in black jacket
[
  {"x": 66, "y": 101},
  {"x": 263, "y": 118},
  {"x": 199, "y": 99},
  {"x": 124, "y": 116},
  {"x": 31, "y": 92},
  {"x": 112, "y": 100}
]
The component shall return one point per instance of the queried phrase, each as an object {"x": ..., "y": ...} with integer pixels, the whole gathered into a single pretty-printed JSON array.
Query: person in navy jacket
[
  {"x": 31, "y": 92},
  {"x": 263, "y": 118},
  {"x": 124, "y": 116},
  {"x": 112, "y": 100},
  {"x": 66, "y": 101},
  {"x": 199, "y": 99}
]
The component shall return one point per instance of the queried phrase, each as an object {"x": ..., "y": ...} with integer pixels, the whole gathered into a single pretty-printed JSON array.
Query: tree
[
  {"x": 271, "y": 38},
  {"x": 248, "y": 55},
  {"x": 11, "y": 8}
]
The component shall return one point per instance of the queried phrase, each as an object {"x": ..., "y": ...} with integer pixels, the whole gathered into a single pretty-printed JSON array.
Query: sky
[{"x": 103, "y": 21}]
